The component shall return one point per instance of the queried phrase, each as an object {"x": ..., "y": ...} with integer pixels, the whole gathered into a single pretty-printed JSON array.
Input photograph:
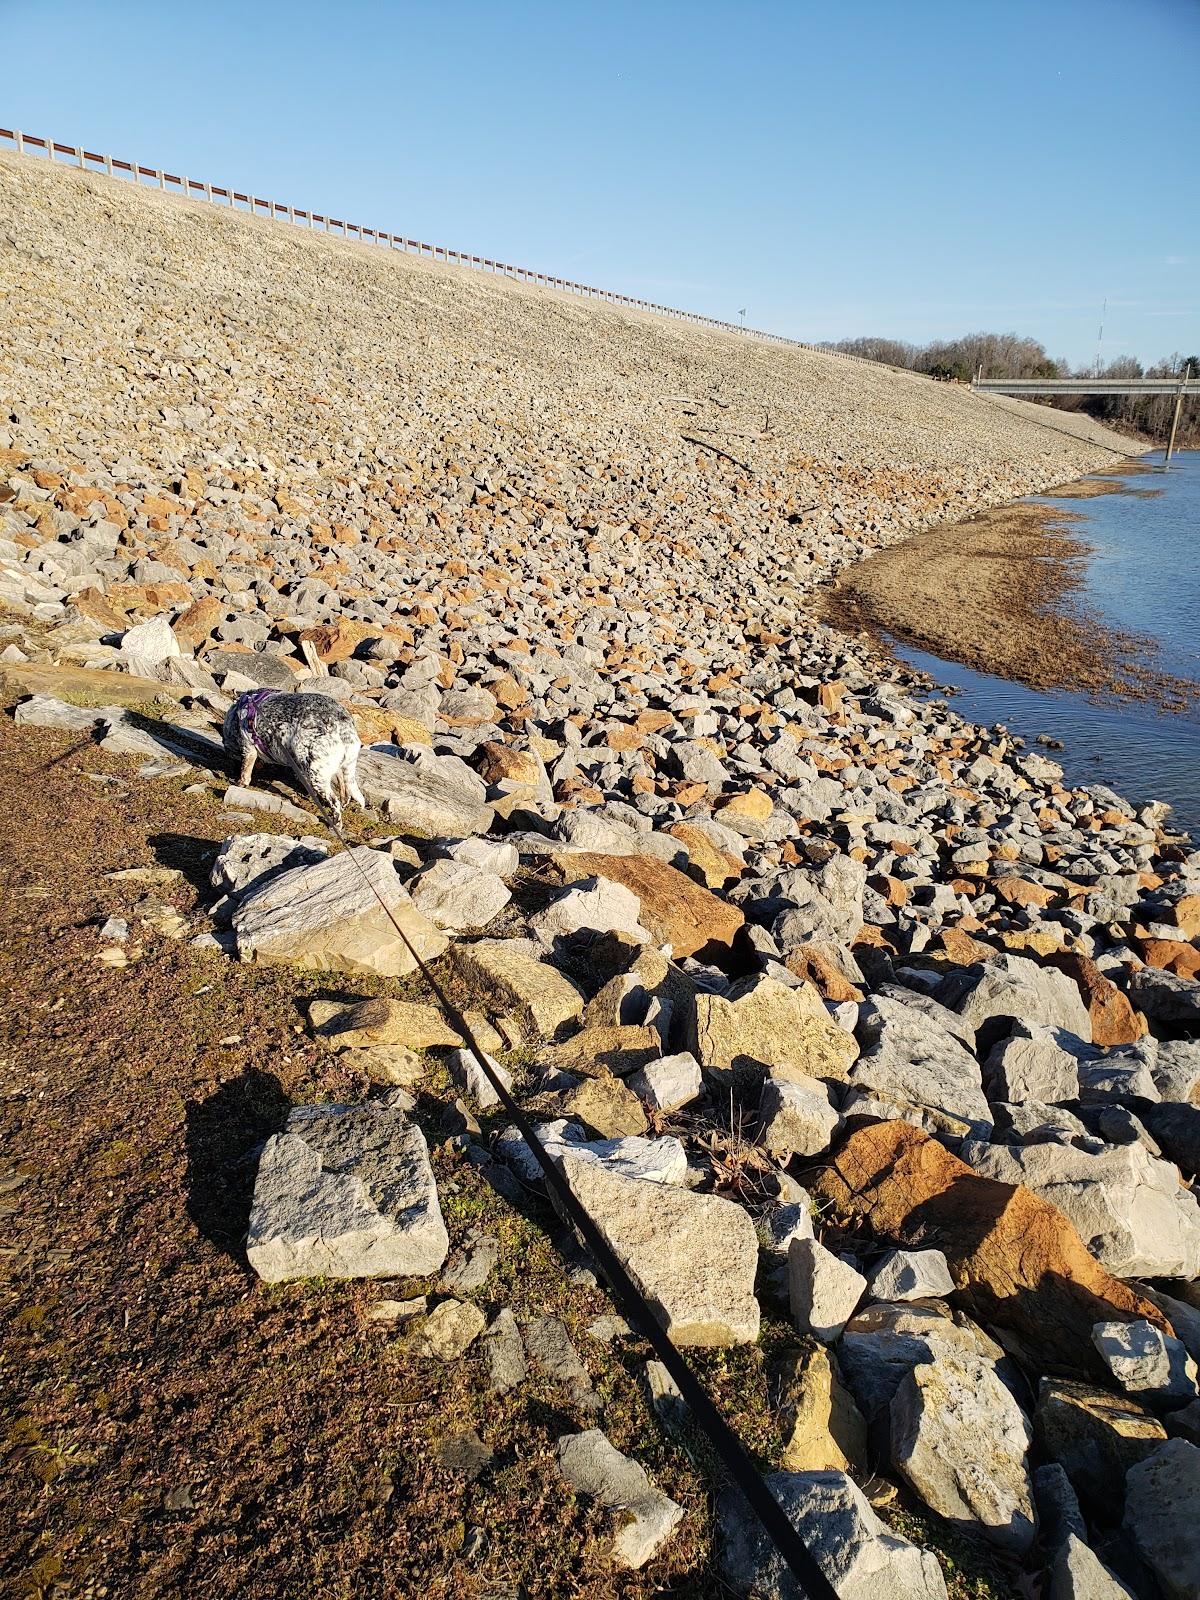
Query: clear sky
[{"x": 915, "y": 169}]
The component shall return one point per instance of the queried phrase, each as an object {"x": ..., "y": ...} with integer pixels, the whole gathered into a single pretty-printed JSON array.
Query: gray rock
[
  {"x": 662, "y": 1160},
  {"x": 796, "y": 1116},
  {"x": 258, "y": 668},
  {"x": 457, "y": 895},
  {"x": 549, "y": 1347},
  {"x": 471, "y": 1267},
  {"x": 668, "y": 1083},
  {"x": 594, "y": 1468},
  {"x": 505, "y": 1353},
  {"x": 489, "y": 855},
  {"x": 882, "y": 1344},
  {"x": 596, "y": 905},
  {"x": 469, "y": 1075},
  {"x": 823, "y": 1290},
  {"x": 860, "y": 1557},
  {"x": 962, "y": 1442},
  {"x": 1013, "y": 986},
  {"x": 1128, "y": 1207},
  {"x": 1033, "y": 1063},
  {"x": 1166, "y": 999},
  {"x": 1147, "y": 1363},
  {"x": 914, "y": 1068},
  {"x": 147, "y": 645},
  {"x": 693, "y": 1256},
  {"x": 1077, "y": 1573},
  {"x": 424, "y": 796},
  {"x": 346, "y": 1192},
  {"x": 665, "y": 1397},
  {"x": 778, "y": 1227},
  {"x": 1161, "y": 1496},
  {"x": 911, "y": 1275},
  {"x": 448, "y": 1332}
]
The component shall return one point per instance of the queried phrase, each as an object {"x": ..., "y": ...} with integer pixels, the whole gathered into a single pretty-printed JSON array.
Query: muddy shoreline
[{"x": 999, "y": 593}]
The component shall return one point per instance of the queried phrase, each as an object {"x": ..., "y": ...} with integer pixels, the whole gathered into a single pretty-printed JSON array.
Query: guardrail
[{"x": 251, "y": 205}]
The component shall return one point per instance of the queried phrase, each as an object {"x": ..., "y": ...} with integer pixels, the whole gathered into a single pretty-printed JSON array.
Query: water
[{"x": 1143, "y": 577}]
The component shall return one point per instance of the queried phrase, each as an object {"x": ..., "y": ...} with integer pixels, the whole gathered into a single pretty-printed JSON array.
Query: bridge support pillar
[{"x": 1183, "y": 383}]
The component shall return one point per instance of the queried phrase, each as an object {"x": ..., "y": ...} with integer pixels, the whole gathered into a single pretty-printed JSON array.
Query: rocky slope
[{"x": 761, "y": 939}]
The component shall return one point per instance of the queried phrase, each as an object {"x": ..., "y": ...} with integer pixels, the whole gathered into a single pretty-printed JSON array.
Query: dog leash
[{"x": 775, "y": 1522}]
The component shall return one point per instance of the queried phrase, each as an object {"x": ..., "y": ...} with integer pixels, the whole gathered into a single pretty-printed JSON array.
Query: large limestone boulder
[
  {"x": 764, "y": 1023},
  {"x": 1016, "y": 1259},
  {"x": 1014, "y": 986},
  {"x": 328, "y": 917},
  {"x": 913, "y": 1067},
  {"x": 693, "y": 1256},
  {"x": 962, "y": 1442},
  {"x": 861, "y": 1558},
  {"x": 429, "y": 796},
  {"x": 1128, "y": 1207},
  {"x": 346, "y": 1192},
  {"x": 514, "y": 972}
]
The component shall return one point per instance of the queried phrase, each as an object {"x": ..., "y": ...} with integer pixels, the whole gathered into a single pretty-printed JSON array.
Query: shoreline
[{"x": 996, "y": 592}]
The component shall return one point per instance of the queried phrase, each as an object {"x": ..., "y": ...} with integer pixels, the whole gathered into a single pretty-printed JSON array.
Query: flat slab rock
[
  {"x": 693, "y": 1256},
  {"x": 326, "y": 917},
  {"x": 346, "y": 1192}
]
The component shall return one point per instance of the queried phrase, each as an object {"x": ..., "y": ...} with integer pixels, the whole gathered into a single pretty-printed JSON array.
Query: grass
[{"x": 176, "y": 1426}]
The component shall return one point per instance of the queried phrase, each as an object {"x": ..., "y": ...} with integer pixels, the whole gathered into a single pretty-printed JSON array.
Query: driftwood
[{"x": 724, "y": 454}]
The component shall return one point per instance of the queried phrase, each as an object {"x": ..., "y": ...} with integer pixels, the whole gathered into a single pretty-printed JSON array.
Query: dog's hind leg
[{"x": 349, "y": 778}]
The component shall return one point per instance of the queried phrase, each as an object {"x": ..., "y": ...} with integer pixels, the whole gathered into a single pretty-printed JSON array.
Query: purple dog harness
[{"x": 249, "y": 710}]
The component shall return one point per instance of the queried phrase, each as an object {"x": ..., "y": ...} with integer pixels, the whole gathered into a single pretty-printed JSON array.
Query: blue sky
[{"x": 916, "y": 169}]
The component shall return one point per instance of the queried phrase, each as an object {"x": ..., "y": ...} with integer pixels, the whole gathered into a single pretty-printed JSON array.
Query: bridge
[{"x": 1183, "y": 387}]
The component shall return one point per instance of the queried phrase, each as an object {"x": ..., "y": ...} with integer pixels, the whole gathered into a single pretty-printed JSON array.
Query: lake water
[{"x": 1144, "y": 578}]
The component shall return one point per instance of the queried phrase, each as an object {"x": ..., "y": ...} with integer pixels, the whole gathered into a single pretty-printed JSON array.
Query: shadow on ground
[{"x": 223, "y": 1137}]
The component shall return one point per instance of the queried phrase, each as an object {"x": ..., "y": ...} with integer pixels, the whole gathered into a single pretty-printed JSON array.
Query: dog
[{"x": 309, "y": 734}]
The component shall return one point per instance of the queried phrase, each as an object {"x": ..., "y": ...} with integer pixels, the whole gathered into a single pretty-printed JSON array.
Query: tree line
[{"x": 1009, "y": 355}]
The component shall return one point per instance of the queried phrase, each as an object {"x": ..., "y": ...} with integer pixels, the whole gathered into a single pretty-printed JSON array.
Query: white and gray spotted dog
[{"x": 309, "y": 734}]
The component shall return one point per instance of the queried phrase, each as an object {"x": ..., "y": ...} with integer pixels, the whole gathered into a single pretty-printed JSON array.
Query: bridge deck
[{"x": 1087, "y": 386}]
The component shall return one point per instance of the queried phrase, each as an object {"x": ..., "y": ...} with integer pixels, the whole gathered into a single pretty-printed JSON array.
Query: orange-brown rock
[
  {"x": 339, "y": 640},
  {"x": 502, "y": 763},
  {"x": 715, "y": 865},
  {"x": 963, "y": 950},
  {"x": 1017, "y": 1262},
  {"x": 820, "y": 964},
  {"x": 1187, "y": 915},
  {"x": 193, "y": 626},
  {"x": 624, "y": 737},
  {"x": 675, "y": 910},
  {"x": 1171, "y": 955},
  {"x": 754, "y": 803},
  {"x": 1021, "y": 892},
  {"x": 1114, "y": 1021},
  {"x": 99, "y": 608},
  {"x": 378, "y": 725}
]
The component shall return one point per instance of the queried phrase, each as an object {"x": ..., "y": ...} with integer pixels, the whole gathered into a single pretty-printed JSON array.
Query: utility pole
[
  {"x": 1100, "y": 335},
  {"x": 1183, "y": 383}
]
